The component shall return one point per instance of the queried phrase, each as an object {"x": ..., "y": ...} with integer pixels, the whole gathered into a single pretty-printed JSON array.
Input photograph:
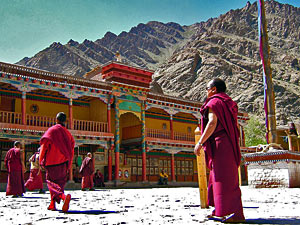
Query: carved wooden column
[
  {"x": 144, "y": 157},
  {"x": 71, "y": 124},
  {"x": 117, "y": 142},
  {"x": 109, "y": 164},
  {"x": 108, "y": 117},
  {"x": 173, "y": 167},
  {"x": 171, "y": 127},
  {"x": 23, "y": 108}
]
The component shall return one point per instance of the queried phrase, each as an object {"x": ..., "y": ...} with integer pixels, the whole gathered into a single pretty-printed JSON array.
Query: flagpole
[{"x": 269, "y": 97}]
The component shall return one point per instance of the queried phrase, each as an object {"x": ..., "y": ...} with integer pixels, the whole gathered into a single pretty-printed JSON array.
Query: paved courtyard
[{"x": 148, "y": 206}]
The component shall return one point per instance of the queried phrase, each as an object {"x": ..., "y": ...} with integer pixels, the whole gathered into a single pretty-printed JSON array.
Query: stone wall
[{"x": 273, "y": 175}]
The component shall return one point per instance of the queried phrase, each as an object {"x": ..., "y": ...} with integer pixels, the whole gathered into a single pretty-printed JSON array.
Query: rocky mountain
[
  {"x": 185, "y": 58},
  {"x": 146, "y": 45},
  {"x": 227, "y": 47}
]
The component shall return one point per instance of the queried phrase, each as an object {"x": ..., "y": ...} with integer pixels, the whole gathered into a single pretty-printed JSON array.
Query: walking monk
[
  {"x": 15, "y": 166},
  {"x": 87, "y": 170},
  {"x": 220, "y": 140},
  {"x": 57, "y": 151},
  {"x": 35, "y": 180}
]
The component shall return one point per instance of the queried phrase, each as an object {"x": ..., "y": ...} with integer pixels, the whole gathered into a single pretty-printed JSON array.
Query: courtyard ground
[{"x": 148, "y": 206}]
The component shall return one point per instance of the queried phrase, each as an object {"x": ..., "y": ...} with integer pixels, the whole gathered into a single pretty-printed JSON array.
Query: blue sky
[{"x": 29, "y": 26}]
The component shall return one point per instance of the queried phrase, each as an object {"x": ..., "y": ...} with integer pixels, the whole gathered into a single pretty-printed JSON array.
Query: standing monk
[
  {"x": 220, "y": 140},
  {"x": 35, "y": 180},
  {"x": 57, "y": 151},
  {"x": 14, "y": 163},
  {"x": 87, "y": 170}
]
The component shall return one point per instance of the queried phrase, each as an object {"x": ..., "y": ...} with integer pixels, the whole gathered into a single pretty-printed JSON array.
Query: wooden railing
[
  {"x": 164, "y": 134},
  {"x": 10, "y": 117},
  {"x": 40, "y": 121},
  {"x": 46, "y": 121},
  {"x": 183, "y": 136},
  {"x": 156, "y": 133},
  {"x": 87, "y": 125}
]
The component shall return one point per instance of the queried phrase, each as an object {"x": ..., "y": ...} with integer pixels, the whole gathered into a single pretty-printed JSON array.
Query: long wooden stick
[{"x": 201, "y": 169}]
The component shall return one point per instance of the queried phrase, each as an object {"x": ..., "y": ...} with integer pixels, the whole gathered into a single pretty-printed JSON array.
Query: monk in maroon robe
[
  {"x": 35, "y": 180},
  {"x": 15, "y": 168},
  {"x": 56, "y": 155},
  {"x": 87, "y": 172},
  {"x": 220, "y": 140}
]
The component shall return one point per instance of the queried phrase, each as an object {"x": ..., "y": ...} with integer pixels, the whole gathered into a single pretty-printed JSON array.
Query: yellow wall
[
  {"x": 51, "y": 109},
  {"x": 183, "y": 127},
  {"x": 81, "y": 113},
  {"x": 45, "y": 108},
  {"x": 177, "y": 126},
  {"x": 157, "y": 124},
  {"x": 98, "y": 111}
]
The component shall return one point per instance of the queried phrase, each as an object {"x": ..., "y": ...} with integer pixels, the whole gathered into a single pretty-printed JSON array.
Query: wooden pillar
[
  {"x": 71, "y": 124},
  {"x": 23, "y": 108},
  {"x": 171, "y": 127},
  {"x": 267, "y": 75},
  {"x": 109, "y": 151},
  {"x": 117, "y": 142},
  {"x": 173, "y": 167},
  {"x": 117, "y": 166},
  {"x": 108, "y": 118},
  {"x": 201, "y": 168},
  {"x": 144, "y": 175},
  {"x": 144, "y": 157}
]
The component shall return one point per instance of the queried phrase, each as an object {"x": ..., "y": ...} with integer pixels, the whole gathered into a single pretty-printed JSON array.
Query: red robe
[
  {"x": 35, "y": 180},
  {"x": 57, "y": 151},
  {"x": 15, "y": 179},
  {"x": 87, "y": 170},
  {"x": 223, "y": 157}
]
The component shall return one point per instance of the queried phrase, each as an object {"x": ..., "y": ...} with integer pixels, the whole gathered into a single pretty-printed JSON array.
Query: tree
[{"x": 255, "y": 132}]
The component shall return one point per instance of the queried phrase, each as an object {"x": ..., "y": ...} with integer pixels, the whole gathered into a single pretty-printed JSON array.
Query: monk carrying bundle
[{"x": 57, "y": 151}]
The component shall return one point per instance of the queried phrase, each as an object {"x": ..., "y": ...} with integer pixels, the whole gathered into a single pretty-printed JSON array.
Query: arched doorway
[
  {"x": 130, "y": 131},
  {"x": 131, "y": 141}
]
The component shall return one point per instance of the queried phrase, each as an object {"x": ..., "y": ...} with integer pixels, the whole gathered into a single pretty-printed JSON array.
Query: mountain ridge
[{"x": 185, "y": 58}]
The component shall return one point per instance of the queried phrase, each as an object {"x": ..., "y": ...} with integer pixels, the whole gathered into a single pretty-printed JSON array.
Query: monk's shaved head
[
  {"x": 17, "y": 144},
  {"x": 61, "y": 117}
]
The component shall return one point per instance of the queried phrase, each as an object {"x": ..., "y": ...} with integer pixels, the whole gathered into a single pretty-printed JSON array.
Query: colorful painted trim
[{"x": 276, "y": 156}]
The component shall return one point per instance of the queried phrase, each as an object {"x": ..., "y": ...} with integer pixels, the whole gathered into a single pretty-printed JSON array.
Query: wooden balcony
[
  {"x": 93, "y": 126},
  {"x": 163, "y": 134},
  {"x": 10, "y": 117},
  {"x": 46, "y": 121},
  {"x": 184, "y": 136},
  {"x": 40, "y": 121},
  {"x": 156, "y": 133}
]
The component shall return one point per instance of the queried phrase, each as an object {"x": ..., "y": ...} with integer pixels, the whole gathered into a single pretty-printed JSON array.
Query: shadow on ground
[
  {"x": 273, "y": 221},
  {"x": 89, "y": 212},
  {"x": 29, "y": 197}
]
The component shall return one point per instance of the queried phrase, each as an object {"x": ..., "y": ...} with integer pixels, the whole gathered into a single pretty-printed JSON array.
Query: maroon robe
[
  {"x": 15, "y": 179},
  {"x": 56, "y": 174},
  {"x": 223, "y": 157},
  {"x": 35, "y": 180},
  {"x": 87, "y": 170}
]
